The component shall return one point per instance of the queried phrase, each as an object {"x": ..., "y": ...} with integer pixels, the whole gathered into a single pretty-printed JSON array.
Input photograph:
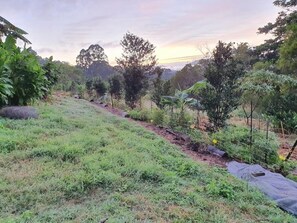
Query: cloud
[{"x": 112, "y": 44}]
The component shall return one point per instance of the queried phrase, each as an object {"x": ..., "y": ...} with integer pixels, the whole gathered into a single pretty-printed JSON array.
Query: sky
[{"x": 181, "y": 30}]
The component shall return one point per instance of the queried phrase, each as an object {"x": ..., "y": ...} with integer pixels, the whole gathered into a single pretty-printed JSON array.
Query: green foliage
[
  {"x": 6, "y": 89},
  {"x": 220, "y": 96},
  {"x": 221, "y": 188},
  {"x": 137, "y": 61},
  {"x": 189, "y": 75},
  {"x": 94, "y": 53},
  {"x": 274, "y": 94},
  {"x": 51, "y": 75},
  {"x": 197, "y": 88},
  {"x": 24, "y": 72},
  {"x": 8, "y": 29},
  {"x": 288, "y": 52},
  {"x": 269, "y": 51},
  {"x": 236, "y": 142},
  {"x": 244, "y": 53},
  {"x": 141, "y": 115},
  {"x": 135, "y": 84},
  {"x": 99, "y": 86},
  {"x": 27, "y": 78},
  {"x": 158, "y": 116},
  {"x": 115, "y": 87},
  {"x": 69, "y": 77},
  {"x": 22, "y": 79},
  {"x": 178, "y": 102},
  {"x": 160, "y": 88}
]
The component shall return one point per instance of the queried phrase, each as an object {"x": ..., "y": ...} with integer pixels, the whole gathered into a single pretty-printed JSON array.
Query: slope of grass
[{"x": 77, "y": 163}]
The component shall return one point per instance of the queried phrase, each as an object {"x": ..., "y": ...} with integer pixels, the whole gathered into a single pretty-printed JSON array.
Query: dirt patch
[
  {"x": 285, "y": 149},
  {"x": 196, "y": 151}
]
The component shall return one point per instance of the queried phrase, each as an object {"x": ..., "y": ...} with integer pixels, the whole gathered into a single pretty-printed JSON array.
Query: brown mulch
[
  {"x": 196, "y": 151},
  {"x": 285, "y": 149}
]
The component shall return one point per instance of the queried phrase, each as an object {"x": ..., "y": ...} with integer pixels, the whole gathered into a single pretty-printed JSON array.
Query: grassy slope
[{"x": 77, "y": 163}]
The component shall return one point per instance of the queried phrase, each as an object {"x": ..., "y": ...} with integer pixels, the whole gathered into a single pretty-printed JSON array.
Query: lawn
[{"x": 77, "y": 163}]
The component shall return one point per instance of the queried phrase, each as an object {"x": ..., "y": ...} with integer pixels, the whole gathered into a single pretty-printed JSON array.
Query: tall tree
[
  {"x": 137, "y": 61},
  {"x": 94, "y": 53},
  {"x": 288, "y": 52},
  {"x": 220, "y": 96},
  {"x": 269, "y": 50}
]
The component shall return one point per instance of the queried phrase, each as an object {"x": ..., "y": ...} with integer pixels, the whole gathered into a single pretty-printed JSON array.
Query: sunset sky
[{"x": 178, "y": 29}]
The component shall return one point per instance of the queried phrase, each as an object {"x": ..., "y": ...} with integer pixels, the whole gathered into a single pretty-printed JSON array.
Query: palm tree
[{"x": 7, "y": 28}]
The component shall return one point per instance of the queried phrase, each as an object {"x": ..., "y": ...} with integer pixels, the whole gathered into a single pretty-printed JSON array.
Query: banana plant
[
  {"x": 179, "y": 101},
  {"x": 8, "y": 29},
  {"x": 195, "y": 92}
]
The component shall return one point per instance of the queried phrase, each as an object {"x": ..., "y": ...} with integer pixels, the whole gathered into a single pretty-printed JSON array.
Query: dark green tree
[
  {"x": 160, "y": 88},
  {"x": 220, "y": 96},
  {"x": 99, "y": 86},
  {"x": 52, "y": 73},
  {"x": 137, "y": 61},
  {"x": 269, "y": 51},
  {"x": 288, "y": 52},
  {"x": 115, "y": 88}
]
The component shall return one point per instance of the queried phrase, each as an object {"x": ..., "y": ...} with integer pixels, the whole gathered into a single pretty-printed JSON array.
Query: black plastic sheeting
[{"x": 273, "y": 185}]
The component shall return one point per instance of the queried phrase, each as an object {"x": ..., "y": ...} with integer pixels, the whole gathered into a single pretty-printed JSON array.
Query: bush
[
  {"x": 221, "y": 189},
  {"x": 158, "y": 117},
  {"x": 236, "y": 142},
  {"x": 140, "y": 115}
]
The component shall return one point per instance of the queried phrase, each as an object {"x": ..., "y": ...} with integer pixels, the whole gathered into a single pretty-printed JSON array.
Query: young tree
[
  {"x": 275, "y": 95},
  {"x": 160, "y": 88},
  {"x": 220, "y": 96},
  {"x": 51, "y": 75},
  {"x": 99, "y": 86},
  {"x": 115, "y": 88},
  {"x": 136, "y": 63}
]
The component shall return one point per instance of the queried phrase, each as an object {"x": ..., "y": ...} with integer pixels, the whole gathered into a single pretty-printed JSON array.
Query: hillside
[{"x": 77, "y": 163}]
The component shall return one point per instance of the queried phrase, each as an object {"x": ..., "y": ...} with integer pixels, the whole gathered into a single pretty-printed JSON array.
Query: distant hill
[
  {"x": 100, "y": 69},
  {"x": 168, "y": 74},
  {"x": 189, "y": 74}
]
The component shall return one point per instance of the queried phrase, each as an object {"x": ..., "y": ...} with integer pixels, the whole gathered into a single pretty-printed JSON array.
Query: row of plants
[{"x": 227, "y": 86}]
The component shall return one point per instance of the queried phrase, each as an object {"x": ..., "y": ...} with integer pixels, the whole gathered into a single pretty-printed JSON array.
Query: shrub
[
  {"x": 221, "y": 188},
  {"x": 236, "y": 142},
  {"x": 158, "y": 117},
  {"x": 141, "y": 115}
]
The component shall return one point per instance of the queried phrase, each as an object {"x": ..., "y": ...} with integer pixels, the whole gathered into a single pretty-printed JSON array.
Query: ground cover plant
[{"x": 77, "y": 163}]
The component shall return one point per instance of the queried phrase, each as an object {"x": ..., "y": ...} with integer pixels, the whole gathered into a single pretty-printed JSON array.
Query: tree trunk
[{"x": 291, "y": 151}]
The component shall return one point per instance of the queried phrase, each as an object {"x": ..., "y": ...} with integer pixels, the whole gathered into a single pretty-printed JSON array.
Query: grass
[{"x": 76, "y": 163}]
